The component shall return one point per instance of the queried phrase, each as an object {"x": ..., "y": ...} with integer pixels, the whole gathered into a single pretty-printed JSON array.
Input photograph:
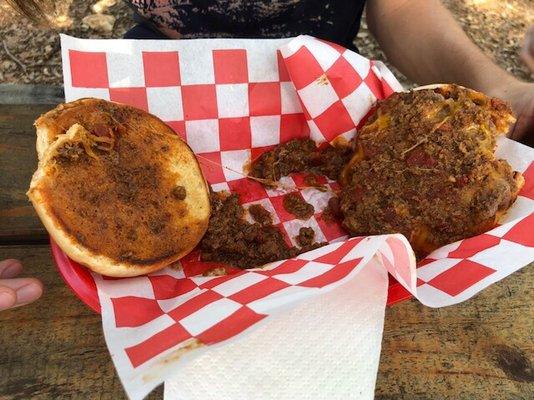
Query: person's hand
[
  {"x": 521, "y": 97},
  {"x": 14, "y": 291}
]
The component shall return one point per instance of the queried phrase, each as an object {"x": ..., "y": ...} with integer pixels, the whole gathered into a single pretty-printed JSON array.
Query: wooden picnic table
[{"x": 54, "y": 348}]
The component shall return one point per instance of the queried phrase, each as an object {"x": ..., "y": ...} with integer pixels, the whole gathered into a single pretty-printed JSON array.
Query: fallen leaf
[
  {"x": 102, "y": 6},
  {"x": 99, "y": 22}
]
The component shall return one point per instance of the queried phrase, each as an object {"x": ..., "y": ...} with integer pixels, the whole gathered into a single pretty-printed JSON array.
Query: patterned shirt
[{"x": 334, "y": 20}]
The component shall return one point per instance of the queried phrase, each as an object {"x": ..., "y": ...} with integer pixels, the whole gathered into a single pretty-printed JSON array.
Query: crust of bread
[
  {"x": 50, "y": 139},
  {"x": 46, "y": 128}
]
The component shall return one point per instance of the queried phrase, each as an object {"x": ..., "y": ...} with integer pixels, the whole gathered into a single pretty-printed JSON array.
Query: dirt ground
[{"x": 30, "y": 54}]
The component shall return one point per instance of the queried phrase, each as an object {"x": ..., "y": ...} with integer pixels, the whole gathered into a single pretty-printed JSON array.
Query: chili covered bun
[
  {"x": 116, "y": 188},
  {"x": 425, "y": 166}
]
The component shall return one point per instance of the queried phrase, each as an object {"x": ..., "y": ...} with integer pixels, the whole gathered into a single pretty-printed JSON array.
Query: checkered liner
[{"x": 231, "y": 100}]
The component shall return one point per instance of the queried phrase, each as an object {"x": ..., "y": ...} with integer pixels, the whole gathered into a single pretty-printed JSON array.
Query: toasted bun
[{"x": 116, "y": 188}]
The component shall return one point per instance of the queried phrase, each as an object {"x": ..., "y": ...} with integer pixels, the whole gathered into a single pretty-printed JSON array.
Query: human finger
[
  {"x": 8, "y": 298},
  {"x": 26, "y": 289},
  {"x": 10, "y": 268}
]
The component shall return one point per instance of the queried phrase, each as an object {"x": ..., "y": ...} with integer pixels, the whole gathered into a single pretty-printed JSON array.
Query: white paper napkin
[{"x": 299, "y": 354}]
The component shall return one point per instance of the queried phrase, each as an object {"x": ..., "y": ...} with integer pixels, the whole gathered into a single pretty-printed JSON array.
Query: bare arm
[{"x": 422, "y": 39}]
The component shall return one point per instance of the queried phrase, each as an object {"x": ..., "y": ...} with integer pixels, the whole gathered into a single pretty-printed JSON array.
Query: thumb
[
  {"x": 8, "y": 298},
  {"x": 25, "y": 290}
]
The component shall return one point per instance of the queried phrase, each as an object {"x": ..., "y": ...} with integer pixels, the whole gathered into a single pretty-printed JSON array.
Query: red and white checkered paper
[{"x": 231, "y": 100}]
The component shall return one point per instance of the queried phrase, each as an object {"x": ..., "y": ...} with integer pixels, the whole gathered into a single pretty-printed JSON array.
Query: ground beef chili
[
  {"x": 300, "y": 155},
  {"x": 179, "y": 193},
  {"x": 294, "y": 203},
  {"x": 260, "y": 214},
  {"x": 311, "y": 180},
  {"x": 332, "y": 212},
  {"x": 305, "y": 236},
  {"x": 70, "y": 152},
  {"x": 231, "y": 239}
]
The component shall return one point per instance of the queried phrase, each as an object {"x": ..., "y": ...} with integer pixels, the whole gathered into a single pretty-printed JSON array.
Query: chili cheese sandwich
[
  {"x": 425, "y": 166},
  {"x": 116, "y": 188}
]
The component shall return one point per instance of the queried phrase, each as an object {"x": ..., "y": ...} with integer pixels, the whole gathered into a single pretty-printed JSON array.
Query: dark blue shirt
[{"x": 334, "y": 20}]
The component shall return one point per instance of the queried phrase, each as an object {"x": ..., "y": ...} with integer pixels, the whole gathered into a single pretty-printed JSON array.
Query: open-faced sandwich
[
  {"x": 116, "y": 188},
  {"x": 424, "y": 165}
]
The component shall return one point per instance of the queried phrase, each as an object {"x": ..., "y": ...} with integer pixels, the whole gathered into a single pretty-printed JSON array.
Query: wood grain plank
[
  {"x": 18, "y": 161},
  {"x": 480, "y": 349},
  {"x": 54, "y": 348},
  {"x": 31, "y": 94}
]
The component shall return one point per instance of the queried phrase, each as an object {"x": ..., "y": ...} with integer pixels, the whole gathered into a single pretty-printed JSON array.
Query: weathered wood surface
[
  {"x": 480, "y": 349},
  {"x": 30, "y": 94},
  {"x": 18, "y": 161},
  {"x": 53, "y": 348}
]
